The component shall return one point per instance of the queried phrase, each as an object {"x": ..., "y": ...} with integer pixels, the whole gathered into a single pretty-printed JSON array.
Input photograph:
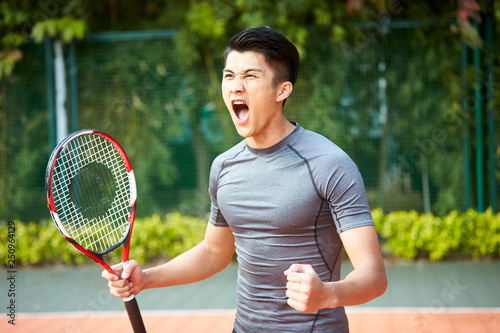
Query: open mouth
[{"x": 240, "y": 110}]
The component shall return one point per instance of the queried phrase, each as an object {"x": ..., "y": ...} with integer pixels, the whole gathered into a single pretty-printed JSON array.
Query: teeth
[{"x": 239, "y": 102}]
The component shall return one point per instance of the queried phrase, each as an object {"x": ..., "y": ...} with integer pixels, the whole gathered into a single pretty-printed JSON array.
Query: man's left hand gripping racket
[{"x": 91, "y": 195}]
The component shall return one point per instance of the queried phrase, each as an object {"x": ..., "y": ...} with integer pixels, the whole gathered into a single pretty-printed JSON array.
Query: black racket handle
[{"x": 134, "y": 314}]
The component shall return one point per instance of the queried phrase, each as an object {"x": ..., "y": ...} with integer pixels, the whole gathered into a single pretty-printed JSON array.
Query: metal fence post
[
  {"x": 73, "y": 83},
  {"x": 490, "y": 117},
  {"x": 466, "y": 109},
  {"x": 478, "y": 112},
  {"x": 49, "y": 81}
]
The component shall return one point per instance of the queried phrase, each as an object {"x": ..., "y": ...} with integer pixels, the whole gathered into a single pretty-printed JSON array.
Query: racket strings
[{"x": 91, "y": 192}]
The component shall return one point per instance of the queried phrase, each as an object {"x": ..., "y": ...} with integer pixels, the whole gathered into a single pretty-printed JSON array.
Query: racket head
[{"x": 91, "y": 193}]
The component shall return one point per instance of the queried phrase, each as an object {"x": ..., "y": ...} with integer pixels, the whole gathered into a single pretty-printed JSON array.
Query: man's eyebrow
[{"x": 253, "y": 69}]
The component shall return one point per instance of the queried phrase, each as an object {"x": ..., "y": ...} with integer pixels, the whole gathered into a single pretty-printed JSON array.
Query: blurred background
[{"x": 406, "y": 88}]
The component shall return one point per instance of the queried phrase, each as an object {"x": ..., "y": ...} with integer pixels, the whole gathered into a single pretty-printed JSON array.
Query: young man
[{"x": 287, "y": 199}]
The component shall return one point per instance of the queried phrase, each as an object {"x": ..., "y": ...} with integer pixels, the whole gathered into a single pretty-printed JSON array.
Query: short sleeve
[
  {"x": 216, "y": 217},
  {"x": 346, "y": 195}
]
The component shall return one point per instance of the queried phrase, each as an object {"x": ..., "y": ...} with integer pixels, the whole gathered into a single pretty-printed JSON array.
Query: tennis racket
[{"x": 91, "y": 195}]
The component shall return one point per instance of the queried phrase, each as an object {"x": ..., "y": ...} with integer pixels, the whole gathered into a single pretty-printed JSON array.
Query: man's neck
[{"x": 272, "y": 135}]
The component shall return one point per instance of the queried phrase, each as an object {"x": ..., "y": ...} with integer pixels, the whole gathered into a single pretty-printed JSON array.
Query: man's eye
[{"x": 228, "y": 76}]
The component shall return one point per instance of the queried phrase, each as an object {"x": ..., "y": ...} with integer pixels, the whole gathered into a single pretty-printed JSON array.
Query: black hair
[{"x": 278, "y": 51}]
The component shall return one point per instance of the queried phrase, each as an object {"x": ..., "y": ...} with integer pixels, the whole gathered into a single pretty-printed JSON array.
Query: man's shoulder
[
  {"x": 229, "y": 154},
  {"x": 314, "y": 144}
]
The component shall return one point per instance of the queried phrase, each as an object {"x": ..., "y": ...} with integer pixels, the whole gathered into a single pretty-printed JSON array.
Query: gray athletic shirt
[{"x": 286, "y": 204}]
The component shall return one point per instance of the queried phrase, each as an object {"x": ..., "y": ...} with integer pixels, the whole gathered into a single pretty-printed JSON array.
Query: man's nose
[{"x": 236, "y": 86}]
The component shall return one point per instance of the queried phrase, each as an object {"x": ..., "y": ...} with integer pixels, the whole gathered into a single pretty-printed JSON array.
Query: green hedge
[
  {"x": 406, "y": 235},
  {"x": 410, "y": 235},
  {"x": 153, "y": 238}
]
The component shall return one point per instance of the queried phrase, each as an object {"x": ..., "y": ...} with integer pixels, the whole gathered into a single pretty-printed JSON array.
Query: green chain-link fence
[{"x": 391, "y": 102}]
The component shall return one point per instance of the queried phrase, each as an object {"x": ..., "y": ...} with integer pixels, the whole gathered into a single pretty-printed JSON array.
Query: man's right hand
[{"x": 132, "y": 281}]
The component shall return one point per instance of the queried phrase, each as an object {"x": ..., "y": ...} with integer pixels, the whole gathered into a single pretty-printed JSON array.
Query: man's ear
[{"x": 283, "y": 91}]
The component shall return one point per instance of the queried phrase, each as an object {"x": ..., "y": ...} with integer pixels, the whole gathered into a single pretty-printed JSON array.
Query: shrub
[
  {"x": 405, "y": 235},
  {"x": 153, "y": 238},
  {"x": 409, "y": 235}
]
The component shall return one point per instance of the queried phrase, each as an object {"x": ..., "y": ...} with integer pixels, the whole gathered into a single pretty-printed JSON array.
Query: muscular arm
[
  {"x": 209, "y": 257},
  {"x": 368, "y": 279},
  {"x": 307, "y": 293}
]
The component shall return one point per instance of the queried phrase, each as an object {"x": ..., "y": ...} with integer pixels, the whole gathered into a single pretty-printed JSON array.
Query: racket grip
[{"x": 134, "y": 314}]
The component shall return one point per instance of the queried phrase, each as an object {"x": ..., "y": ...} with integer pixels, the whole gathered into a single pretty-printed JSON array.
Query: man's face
[{"x": 250, "y": 95}]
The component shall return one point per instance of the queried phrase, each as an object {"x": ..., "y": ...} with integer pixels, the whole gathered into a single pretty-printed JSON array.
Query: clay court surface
[{"x": 367, "y": 321}]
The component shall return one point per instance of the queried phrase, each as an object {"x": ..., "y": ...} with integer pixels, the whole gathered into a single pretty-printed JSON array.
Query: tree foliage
[
  {"x": 24, "y": 19},
  {"x": 212, "y": 22}
]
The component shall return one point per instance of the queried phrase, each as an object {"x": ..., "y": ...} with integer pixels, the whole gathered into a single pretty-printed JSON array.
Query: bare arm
[
  {"x": 307, "y": 293},
  {"x": 368, "y": 279},
  {"x": 209, "y": 257}
]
